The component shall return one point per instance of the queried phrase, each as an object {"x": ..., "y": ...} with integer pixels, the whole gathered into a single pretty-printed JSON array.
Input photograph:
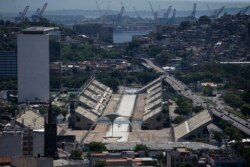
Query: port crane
[
  {"x": 38, "y": 15},
  {"x": 136, "y": 13},
  {"x": 208, "y": 8},
  {"x": 107, "y": 9},
  {"x": 244, "y": 11},
  {"x": 173, "y": 16},
  {"x": 155, "y": 13},
  {"x": 98, "y": 8},
  {"x": 42, "y": 11},
  {"x": 21, "y": 15},
  {"x": 217, "y": 13},
  {"x": 166, "y": 14},
  {"x": 193, "y": 14},
  {"x": 119, "y": 15}
]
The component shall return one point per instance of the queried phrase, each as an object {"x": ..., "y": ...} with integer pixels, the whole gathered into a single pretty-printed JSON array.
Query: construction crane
[
  {"x": 244, "y": 11},
  {"x": 21, "y": 15},
  {"x": 166, "y": 14},
  {"x": 194, "y": 11},
  {"x": 136, "y": 12}
]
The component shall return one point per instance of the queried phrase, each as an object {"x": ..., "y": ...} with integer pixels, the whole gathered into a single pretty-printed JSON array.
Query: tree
[
  {"x": 185, "y": 25},
  {"x": 76, "y": 155},
  {"x": 165, "y": 109},
  {"x": 163, "y": 58},
  {"x": 179, "y": 119},
  {"x": 233, "y": 133},
  {"x": 184, "y": 105},
  {"x": 232, "y": 99},
  {"x": 197, "y": 109},
  {"x": 97, "y": 147},
  {"x": 204, "y": 20},
  {"x": 141, "y": 147},
  {"x": 245, "y": 109}
]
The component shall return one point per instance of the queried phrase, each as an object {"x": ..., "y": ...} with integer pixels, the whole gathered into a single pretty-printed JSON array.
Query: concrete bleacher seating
[
  {"x": 157, "y": 85},
  {"x": 200, "y": 120},
  {"x": 31, "y": 119},
  {"x": 153, "y": 98},
  {"x": 148, "y": 112},
  {"x": 180, "y": 130},
  {"x": 92, "y": 95},
  {"x": 152, "y": 93},
  {"x": 95, "y": 89},
  {"x": 92, "y": 101},
  {"x": 157, "y": 80},
  {"x": 87, "y": 113},
  {"x": 100, "y": 85},
  {"x": 152, "y": 105},
  {"x": 153, "y": 102},
  {"x": 87, "y": 101}
]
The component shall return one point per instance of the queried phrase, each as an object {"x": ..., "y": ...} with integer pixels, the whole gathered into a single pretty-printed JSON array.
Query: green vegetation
[
  {"x": 179, "y": 119},
  {"x": 55, "y": 109},
  {"x": 76, "y": 155},
  {"x": 97, "y": 147},
  {"x": 8, "y": 84},
  {"x": 232, "y": 99},
  {"x": 204, "y": 20},
  {"x": 197, "y": 109},
  {"x": 234, "y": 79},
  {"x": 163, "y": 57},
  {"x": 232, "y": 132},
  {"x": 115, "y": 78},
  {"x": 73, "y": 53},
  {"x": 141, "y": 147},
  {"x": 165, "y": 109},
  {"x": 184, "y": 105},
  {"x": 75, "y": 79}
]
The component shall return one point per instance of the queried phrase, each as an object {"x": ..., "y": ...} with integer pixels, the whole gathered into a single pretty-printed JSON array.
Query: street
[{"x": 218, "y": 110}]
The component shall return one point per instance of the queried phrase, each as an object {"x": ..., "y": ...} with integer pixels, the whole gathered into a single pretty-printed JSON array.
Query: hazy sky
[{"x": 18, "y": 5}]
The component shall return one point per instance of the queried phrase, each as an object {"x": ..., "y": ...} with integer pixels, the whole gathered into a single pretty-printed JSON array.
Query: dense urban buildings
[{"x": 173, "y": 92}]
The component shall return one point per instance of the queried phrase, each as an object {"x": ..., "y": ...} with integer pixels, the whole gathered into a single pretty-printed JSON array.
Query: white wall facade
[{"x": 33, "y": 67}]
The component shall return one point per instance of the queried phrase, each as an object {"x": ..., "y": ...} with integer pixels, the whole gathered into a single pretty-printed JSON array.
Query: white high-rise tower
[{"x": 34, "y": 58}]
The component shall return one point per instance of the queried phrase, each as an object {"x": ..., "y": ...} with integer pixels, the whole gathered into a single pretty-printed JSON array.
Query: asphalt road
[{"x": 218, "y": 110}]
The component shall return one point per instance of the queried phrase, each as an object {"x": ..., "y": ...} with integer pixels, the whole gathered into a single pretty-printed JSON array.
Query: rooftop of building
[
  {"x": 225, "y": 156},
  {"x": 39, "y": 30}
]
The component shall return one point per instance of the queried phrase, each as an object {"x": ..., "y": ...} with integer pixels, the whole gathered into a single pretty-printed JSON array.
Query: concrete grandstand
[
  {"x": 93, "y": 97},
  {"x": 192, "y": 126}
]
